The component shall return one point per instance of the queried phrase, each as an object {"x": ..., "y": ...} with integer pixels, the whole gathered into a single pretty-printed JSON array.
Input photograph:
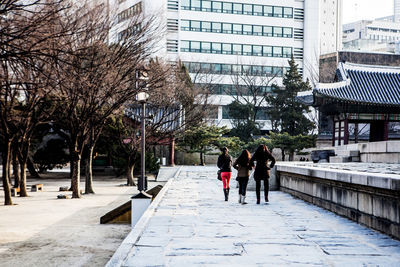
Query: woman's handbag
[{"x": 219, "y": 175}]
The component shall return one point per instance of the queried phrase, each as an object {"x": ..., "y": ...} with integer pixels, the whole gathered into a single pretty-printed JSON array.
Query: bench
[
  {"x": 15, "y": 191},
  {"x": 37, "y": 187}
]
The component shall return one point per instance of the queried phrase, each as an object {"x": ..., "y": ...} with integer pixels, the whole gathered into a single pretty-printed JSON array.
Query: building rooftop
[{"x": 361, "y": 84}]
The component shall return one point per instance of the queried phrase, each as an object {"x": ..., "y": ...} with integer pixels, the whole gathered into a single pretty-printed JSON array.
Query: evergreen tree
[
  {"x": 243, "y": 121},
  {"x": 288, "y": 114}
]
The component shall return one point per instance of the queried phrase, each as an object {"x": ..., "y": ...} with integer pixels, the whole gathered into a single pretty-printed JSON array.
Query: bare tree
[
  {"x": 97, "y": 78},
  {"x": 26, "y": 39},
  {"x": 174, "y": 105}
]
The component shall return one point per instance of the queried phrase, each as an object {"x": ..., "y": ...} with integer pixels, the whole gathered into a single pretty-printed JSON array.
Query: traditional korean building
[{"x": 363, "y": 95}]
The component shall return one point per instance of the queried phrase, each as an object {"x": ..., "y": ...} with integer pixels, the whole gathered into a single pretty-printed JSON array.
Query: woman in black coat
[
  {"x": 261, "y": 173},
  {"x": 225, "y": 165}
]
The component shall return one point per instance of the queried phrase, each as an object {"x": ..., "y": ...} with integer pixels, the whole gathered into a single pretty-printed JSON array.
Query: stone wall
[
  {"x": 378, "y": 152},
  {"x": 367, "y": 198}
]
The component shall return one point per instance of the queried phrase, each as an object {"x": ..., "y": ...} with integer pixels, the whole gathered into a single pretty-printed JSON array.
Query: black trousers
[
  {"x": 243, "y": 185},
  {"x": 258, "y": 188}
]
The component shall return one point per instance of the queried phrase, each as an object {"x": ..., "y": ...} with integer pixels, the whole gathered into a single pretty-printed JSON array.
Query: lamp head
[{"x": 142, "y": 96}]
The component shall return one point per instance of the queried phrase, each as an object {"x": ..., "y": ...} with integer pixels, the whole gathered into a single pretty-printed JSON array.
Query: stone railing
[{"x": 371, "y": 199}]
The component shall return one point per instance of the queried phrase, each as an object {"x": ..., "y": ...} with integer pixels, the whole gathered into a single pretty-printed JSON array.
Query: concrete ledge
[
  {"x": 124, "y": 251},
  {"x": 384, "y": 181},
  {"x": 370, "y": 199}
]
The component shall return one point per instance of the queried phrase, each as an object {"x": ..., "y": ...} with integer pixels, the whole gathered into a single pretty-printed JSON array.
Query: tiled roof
[{"x": 365, "y": 84}]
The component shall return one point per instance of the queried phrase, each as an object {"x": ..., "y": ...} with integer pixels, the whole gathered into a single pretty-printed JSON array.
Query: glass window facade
[
  {"x": 231, "y": 69},
  {"x": 236, "y": 49},
  {"x": 229, "y": 89},
  {"x": 241, "y": 29},
  {"x": 237, "y": 8}
]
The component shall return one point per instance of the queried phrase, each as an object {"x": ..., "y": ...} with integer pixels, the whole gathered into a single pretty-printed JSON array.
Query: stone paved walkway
[{"x": 193, "y": 226}]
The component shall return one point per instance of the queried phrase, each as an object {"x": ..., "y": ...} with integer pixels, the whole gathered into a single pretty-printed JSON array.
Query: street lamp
[{"x": 142, "y": 97}]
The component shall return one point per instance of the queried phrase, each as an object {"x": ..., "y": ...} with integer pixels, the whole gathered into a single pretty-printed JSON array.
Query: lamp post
[{"x": 142, "y": 97}]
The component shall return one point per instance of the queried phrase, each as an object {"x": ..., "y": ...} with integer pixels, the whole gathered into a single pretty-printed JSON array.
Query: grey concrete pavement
[{"x": 193, "y": 226}]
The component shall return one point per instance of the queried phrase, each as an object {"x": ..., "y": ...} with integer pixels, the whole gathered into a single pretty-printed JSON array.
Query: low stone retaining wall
[{"x": 367, "y": 198}]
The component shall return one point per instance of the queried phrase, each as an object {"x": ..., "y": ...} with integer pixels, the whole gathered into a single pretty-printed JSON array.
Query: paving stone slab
[{"x": 193, "y": 226}]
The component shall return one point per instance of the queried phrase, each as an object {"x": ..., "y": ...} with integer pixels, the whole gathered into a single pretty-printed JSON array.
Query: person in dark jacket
[
  {"x": 242, "y": 164},
  {"x": 261, "y": 173},
  {"x": 225, "y": 165}
]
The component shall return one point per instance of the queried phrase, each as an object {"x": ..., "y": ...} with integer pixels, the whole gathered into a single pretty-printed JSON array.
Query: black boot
[{"x": 226, "y": 194}]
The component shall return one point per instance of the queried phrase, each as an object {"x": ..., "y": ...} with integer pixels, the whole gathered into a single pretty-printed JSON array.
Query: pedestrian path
[{"x": 193, "y": 226}]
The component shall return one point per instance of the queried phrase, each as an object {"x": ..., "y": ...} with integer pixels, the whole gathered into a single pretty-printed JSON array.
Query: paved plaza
[{"x": 193, "y": 226}]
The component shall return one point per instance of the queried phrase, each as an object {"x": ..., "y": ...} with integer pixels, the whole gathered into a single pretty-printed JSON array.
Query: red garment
[{"x": 226, "y": 177}]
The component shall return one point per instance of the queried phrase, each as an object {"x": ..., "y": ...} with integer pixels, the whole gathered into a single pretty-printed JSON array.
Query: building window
[
  {"x": 195, "y": 25},
  {"x": 278, "y": 11},
  {"x": 185, "y": 46},
  {"x": 248, "y": 9},
  {"x": 288, "y": 12},
  {"x": 278, "y": 31},
  {"x": 247, "y": 51},
  {"x": 195, "y": 46},
  {"x": 257, "y": 50},
  {"x": 268, "y": 11},
  {"x": 216, "y": 7},
  {"x": 237, "y": 8},
  {"x": 237, "y": 49},
  {"x": 247, "y": 30},
  {"x": 216, "y": 48},
  {"x": 225, "y": 112},
  {"x": 227, "y": 8},
  {"x": 257, "y": 30},
  {"x": 267, "y": 51},
  {"x": 287, "y": 32},
  {"x": 206, "y": 26},
  {"x": 130, "y": 12},
  {"x": 216, "y": 27},
  {"x": 227, "y": 49},
  {"x": 206, "y": 47},
  {"x": 195, "y": 5},
  {"x": 258, "y": 10},
  {"x": 206, "y": 6},
  {"x": 226, "y": 27},
  {"x": 267, "y": 31}
]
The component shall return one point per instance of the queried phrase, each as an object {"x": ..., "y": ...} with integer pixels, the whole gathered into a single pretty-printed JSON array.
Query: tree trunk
[
  {"x": 283, "y": 154},
  {"x": 201, "y": 159},
  {"x": 16, "y": 170},
  {"x": 23, "y": 159},
  {"x": 22, "y": 184},
  {"x": 6, "y": 174},
  {"x": 129, "y": 171},
  {"x": 291, "y": 156},
  {"x": 76, "y": 176},
  {"x": 89, "y": 171},
  {"x": 31, "y": 169}
]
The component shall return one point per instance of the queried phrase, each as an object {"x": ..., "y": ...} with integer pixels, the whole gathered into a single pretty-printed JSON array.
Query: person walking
[
  {"x": 225, "y": 165},
  {"x": 261, "y": 173},
  {"x": 242, "y": 164}
]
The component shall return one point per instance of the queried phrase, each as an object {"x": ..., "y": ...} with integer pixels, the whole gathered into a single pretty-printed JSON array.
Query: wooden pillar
[
  {"x": 386, "y": 130},
  {"x": 340, "y": 133},
  {"x": 346, "y": 131},
  {"x": 333, "y": 131},
  {"x": 172, "y": 152}
]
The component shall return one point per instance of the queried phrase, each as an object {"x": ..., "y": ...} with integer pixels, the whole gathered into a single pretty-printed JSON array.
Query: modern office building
[
  {"x": 227, "y": 44},
  {"x": 396, "y": 7},
  {"x": 379, "y": 35}
]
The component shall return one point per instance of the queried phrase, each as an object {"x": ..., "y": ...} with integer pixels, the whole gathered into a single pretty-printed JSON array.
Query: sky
[{"x": 354, "y": 10}]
